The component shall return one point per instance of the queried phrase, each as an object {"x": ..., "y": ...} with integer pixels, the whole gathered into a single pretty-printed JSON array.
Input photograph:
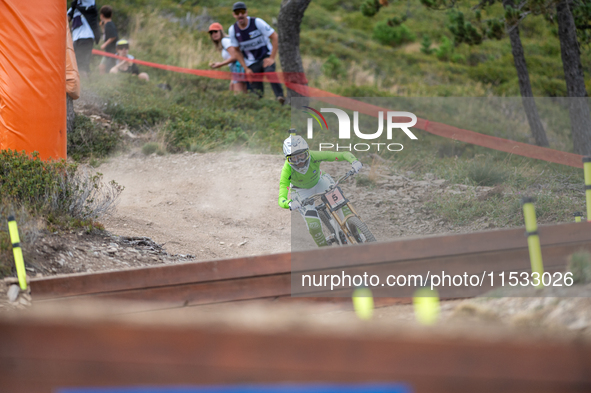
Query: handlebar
[{"x": 312, "y": 198}]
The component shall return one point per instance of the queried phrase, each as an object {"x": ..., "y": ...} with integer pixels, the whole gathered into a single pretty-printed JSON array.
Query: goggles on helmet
[{"x": 299, "y": 158}]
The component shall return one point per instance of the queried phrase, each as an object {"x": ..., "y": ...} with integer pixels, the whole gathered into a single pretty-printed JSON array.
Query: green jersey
[{"x": 311, "y": 177}]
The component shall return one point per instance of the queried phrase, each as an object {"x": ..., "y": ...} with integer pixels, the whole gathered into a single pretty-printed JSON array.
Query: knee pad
[{"x": 315, "y": 227}]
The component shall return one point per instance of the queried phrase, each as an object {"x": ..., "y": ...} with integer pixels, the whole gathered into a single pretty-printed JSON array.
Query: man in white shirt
[
  {"x": 258, "y": 43},
  {"x": 83, "y": 38}
]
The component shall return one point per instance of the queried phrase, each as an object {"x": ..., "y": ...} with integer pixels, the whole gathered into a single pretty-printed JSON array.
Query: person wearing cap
[
  {"x": 127, "y": 66},
  {"x": 224, "y": 45},
  {"x": 258, "y": 44}
]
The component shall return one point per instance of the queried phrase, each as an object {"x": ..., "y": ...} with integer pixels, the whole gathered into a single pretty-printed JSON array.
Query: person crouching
[{"x": 127, "y": 66}]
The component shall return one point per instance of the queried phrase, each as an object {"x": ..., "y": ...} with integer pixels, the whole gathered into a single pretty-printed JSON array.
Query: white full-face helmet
[{"x": 297, "y": 152}]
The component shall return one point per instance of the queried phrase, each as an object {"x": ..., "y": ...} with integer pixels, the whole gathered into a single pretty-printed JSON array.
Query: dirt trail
[
  {"x": 223, "y": 205},
  {"x": 214, "y": 205}
]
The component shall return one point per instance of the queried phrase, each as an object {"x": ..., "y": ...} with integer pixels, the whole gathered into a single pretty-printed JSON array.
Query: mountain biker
[{"x": 302, "y": 176}]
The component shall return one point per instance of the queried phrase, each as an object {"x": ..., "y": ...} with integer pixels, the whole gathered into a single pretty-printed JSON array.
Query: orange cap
[{"x": 215, "y": 27}]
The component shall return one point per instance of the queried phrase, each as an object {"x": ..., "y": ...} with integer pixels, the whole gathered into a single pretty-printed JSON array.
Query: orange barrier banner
[
  {"x": 296, "y": 82},
  {"x": 33, "y": 77}
]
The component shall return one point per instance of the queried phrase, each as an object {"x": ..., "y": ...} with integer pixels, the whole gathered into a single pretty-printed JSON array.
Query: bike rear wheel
[{"x": 360, "y": 231}]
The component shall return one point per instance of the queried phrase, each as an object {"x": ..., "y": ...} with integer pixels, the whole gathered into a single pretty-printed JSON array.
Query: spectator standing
[
  {"x": 229, "y": 54},
  {"x": 83, "y": 38},
  {"x": 258, "y": 43},
  {"x": 127, "y": 66},
  {"x": 110, "y": 38},
  {"x": 88, "y": 9}
]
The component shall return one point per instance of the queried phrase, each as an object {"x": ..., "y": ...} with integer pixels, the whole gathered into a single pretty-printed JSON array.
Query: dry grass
[{"x": 177, "y": 46}]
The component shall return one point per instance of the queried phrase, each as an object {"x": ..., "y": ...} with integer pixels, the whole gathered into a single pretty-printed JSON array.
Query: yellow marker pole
[
  {"x": 18, "y": 253},
  {"x": 587, "y": 170},
  {"x": 426, "y": 304},
  {"x": 578, "y": 216},
  {"x": 533, "y": 238},
  {"x": 363, "y": 303}
]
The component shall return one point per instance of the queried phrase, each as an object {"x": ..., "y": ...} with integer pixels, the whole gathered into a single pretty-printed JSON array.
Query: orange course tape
[
  {"x": 271, "y": 77},
  {"x": 297, "y": 81},
  {"x": 447, "y": 131}
]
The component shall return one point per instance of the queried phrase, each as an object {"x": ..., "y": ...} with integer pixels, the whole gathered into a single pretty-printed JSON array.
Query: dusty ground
[
  {"x": 197, "y": 207},
  {"x": 209, "y": 205},
  {"x": 221, "y": 205}
]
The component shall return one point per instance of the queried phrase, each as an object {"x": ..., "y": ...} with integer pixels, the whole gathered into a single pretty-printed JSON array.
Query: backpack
[{"x": 91, "y": 15}]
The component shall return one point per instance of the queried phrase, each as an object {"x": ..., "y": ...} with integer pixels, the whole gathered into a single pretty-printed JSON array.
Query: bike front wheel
[{"x": 360, "y": 231}]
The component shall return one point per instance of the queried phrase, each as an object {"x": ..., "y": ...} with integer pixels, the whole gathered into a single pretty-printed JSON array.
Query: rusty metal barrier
[
  {"x": 270, "y": 276},
  {"x": 39, "y": 355}
]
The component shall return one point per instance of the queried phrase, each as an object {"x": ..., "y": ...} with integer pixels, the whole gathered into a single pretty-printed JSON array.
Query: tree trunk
[
  {"x": 529, "y": 104},
  {"x": 580, "y": 116},
  {"x": 70, "y": 114},
  {"x": 289, "y": 20}
]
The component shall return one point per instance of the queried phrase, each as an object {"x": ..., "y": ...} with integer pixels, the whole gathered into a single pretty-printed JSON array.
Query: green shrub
[
  {"x": 28, "y": 180},
  {"x": 54, "y": 187},
  {"x": 370, "y": 7},
  {"x": 445, "y": 50},
  {"x": 426, "y": 45},
  {"x": 64, "y": 194},
  {"x": 134, "y": 116},
  {"x": 392, "y": 36},
  {"x": 486, "y": 173},
  {"x": 333, "y": 68},
  {"x": 197, "y": 148},
  {"x": 88, "y": 140},
  {"x": 150, "y": 148},
  {"x": 579, "y": 264},
  {"x": 493, "y": 73},
  {"x": 458, "y": 58}
]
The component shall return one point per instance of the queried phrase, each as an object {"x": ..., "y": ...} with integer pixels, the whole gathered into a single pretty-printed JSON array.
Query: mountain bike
[{"x": 347, "y": 230}]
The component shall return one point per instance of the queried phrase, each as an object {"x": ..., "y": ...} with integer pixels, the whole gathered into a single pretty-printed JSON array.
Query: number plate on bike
[{"x": 335, "y": 198}]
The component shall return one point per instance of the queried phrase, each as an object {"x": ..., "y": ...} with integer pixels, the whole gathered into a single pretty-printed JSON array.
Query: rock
[
  {"x": 112, "y": 250},
  {"x": 126, "y": 132},
  {"x": 579, "y": 325},
  {"x": 13, "y": 292}
]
